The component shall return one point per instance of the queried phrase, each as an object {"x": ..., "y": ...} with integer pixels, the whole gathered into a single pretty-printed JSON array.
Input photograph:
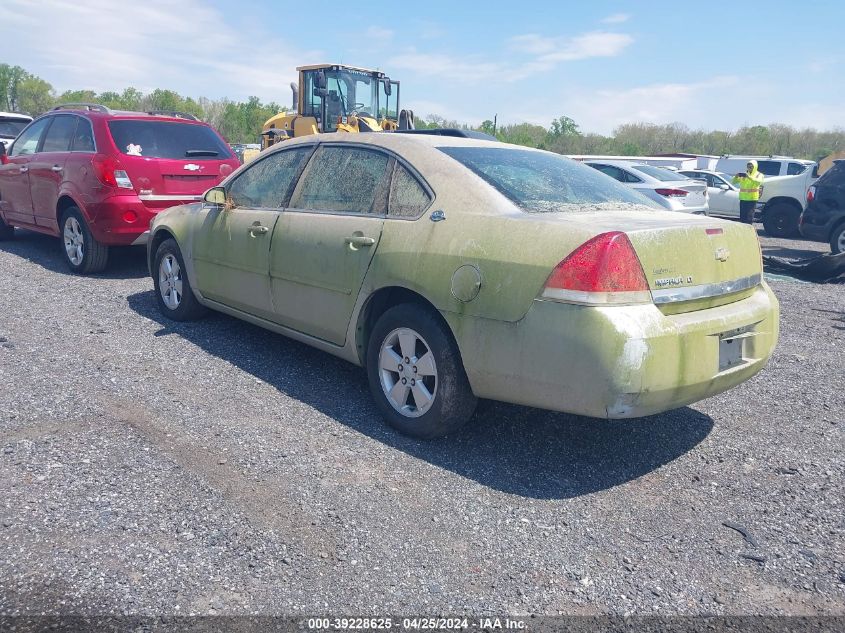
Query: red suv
[{"x": 96, "y": 177}]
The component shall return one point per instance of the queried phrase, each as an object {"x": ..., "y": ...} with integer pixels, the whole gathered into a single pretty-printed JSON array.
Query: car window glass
[
  {"x": 343, "y": 179},
  {"x": 168, "y": 139},
  {"x": 628, "y": 176},
  {"x": 59, "y": 134},
  {"x": 83, "y": 140},
  {"x": 266, "y": 182},
  {"x": 27, "y": 142},
  {"x": 610, "y": 170},
  {"x": 768, "y": 167},
  {"x": 793, "y": 169},
  {"x": 658, "y": 173},
  {"x": 543, "y": 182},
  {"x": 408, "y": 199}
]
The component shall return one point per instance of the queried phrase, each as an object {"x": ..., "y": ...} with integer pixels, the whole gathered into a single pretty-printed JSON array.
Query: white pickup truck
[
  {"x": 11, "y": 124},
  {"x": 785, "y": 188}
]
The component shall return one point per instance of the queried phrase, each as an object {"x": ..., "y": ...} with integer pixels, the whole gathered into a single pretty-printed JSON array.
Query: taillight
[
  {"x": 672, "y": 193},
  {"x": 108, "y": 171},
  {"x": 603, "y": 270},
  {"x": 811, "y": 194}
]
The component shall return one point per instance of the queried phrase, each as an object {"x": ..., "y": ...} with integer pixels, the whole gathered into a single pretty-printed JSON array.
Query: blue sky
[{"x": 602, "y": 62}]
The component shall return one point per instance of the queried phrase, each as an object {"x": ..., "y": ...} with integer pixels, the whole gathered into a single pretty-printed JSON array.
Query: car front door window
[
  {"x": 266, "y": 183},
  {"x": 27, "y": 142}
]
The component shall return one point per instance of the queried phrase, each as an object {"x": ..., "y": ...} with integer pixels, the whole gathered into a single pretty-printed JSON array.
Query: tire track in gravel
[{"x": 266, "y": 507}]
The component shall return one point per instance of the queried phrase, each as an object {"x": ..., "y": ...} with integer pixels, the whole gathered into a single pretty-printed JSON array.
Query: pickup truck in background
[{"x": 785, "y": 187}]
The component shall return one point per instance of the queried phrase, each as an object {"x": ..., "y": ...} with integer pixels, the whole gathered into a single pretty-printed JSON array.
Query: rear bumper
[
  {"x": 124, "y": 220},
  {"x": 615, "y": 362}
]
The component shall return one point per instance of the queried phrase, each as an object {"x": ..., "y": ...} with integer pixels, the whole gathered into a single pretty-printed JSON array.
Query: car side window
[
  {"x": 344, "y": 180},
  {"x": 27, "y": 142},
  {"x": 83, "y": 140},
  {"x": 59, "y": 134},
  {"x": 628, "y": 176},
  {"x": 769, "y": 167},
  {"x": 407, "y": 199},
  {"x": 266, "y": 182},
  {"x": 610, "y": 170},
  {"x": 793, "y": 169}
]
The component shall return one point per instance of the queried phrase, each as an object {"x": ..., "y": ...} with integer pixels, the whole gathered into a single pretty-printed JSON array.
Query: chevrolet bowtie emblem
[
  {"x": 722, "y": 254},
  {"x": 192, "y": 167}
]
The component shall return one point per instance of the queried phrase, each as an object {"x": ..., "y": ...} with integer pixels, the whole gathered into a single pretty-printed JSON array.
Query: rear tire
[
  {"x": 176, "y": 299},
  {"x": 83, "y": 254},
  {"x": 837, "y": 240},
  {"x": 7, "y": 231},
  {"x": 416, "y": 374},
  {"x": 781, "y": 220}
]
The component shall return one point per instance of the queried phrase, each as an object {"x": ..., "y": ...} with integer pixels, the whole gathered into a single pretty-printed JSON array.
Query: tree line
[{"x": 241, "y": 121}]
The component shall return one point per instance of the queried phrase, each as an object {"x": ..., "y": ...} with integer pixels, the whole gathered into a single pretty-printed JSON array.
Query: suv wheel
[
  {"x": 7, "y": 231},
  {"x": 176, "y": 299},
  {"x": 83, "y": 254},
  {"x": 837, "y": 239},
  {"x": 781, "y": 220},
  {"x": 416, "y": 375}
]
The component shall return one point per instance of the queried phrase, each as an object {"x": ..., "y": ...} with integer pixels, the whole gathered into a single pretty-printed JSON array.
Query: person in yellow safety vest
[{"x": 750, "y": 186}]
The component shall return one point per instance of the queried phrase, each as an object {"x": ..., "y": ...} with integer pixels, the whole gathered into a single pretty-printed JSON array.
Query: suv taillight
[
  {"x": 604, "y": 270},
  {"x": 108, "y": 171},
  {"x": 811, "y": 194}
]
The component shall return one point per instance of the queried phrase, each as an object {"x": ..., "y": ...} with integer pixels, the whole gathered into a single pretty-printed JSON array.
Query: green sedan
[{"x": 453, "y": 269}]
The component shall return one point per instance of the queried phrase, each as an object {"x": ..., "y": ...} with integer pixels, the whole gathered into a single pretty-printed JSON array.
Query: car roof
[
  {"x": 618, "y": 163},
  {"x": 399, "y": 142},
  {"x": 15, "y": 115},
  {"x": 109, "y": 115}
]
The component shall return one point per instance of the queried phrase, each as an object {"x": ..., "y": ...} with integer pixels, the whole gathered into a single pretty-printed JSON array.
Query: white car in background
[
  {"x": 723, "y": 195},
  {"x": 670, "y": 189},
  {"x": 11, "y": 124}
]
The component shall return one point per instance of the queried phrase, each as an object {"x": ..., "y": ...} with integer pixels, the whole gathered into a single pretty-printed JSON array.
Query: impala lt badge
[{"x": 192, "y": 167}]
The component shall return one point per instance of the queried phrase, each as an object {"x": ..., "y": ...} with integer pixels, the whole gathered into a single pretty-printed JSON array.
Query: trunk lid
[{"x": 697, "y": 195}]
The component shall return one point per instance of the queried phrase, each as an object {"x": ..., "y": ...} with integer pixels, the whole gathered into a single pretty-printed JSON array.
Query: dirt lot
[{"x": 156, "y": 468}]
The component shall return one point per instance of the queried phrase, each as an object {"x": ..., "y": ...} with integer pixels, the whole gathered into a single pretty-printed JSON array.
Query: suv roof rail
[
  {"x": 91, "y": 107},
  {"x": 173, "y": 113}
]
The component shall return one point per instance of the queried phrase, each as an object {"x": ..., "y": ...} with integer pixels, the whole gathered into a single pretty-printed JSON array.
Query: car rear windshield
[
  {"x": 658, "y": 173},
  {"x": 542, "y": 182},
  {"x": 168, "y": 139},
  {"x": 10, "y": 128}
]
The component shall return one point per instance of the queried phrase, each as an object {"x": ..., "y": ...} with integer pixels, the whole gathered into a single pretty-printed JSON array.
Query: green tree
[{"x": 34, "y": 96}]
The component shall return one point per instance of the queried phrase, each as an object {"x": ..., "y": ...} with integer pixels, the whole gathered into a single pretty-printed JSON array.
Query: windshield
[
  {"x": 168, "y": 139},
  {"x": 350, "y": 92},
  {"x": 542, "y": 182},
  {"x": 10, "y": 128},
  {"x": 658, "y": 173}
]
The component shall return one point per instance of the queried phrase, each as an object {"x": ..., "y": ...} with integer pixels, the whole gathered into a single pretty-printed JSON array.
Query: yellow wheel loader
[{"x": 338, "y": 98}]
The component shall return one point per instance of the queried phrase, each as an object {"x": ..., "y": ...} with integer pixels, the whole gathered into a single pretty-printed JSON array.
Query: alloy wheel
[
  {"x": 170, "y": 281},
  {"x": 408, "y": 372},
  {"x": 74, "y": 241}
]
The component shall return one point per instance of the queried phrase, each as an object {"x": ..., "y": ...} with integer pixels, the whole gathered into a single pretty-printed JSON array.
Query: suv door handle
[
  {"x": 257, "y": 229},
  {"x": 56, "y": 168},
  {"x": 360, "y": 240},
  {"x": 24, "y": 169}
]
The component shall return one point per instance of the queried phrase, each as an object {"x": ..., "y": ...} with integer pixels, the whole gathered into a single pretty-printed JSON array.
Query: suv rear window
[
  {"x": 168, "y": 139},
  {"x": 542, "y": 182},
  {"x": 835, "y": 175}
]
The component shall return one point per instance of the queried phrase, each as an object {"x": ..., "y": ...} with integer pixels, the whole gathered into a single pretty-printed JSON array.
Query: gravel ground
[{"x": 148, "y": 467}]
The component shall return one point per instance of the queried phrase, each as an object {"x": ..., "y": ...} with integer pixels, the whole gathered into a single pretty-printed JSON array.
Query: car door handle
[
  {"x": 24, "y": 169},
  {"x": 360, "y": 240},
  {"x": 56, "y": 168},
  {"x": 257, "y": 229}
]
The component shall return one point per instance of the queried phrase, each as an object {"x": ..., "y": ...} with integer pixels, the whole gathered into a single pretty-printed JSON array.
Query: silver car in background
[{"x": 667, "y": 188}]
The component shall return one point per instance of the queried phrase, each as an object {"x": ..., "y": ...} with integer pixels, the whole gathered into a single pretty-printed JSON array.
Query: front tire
[
  {"x": 416, "y": 374},
  {"x": 83, "y": 254},
  {"x": 781, "y": 220},
  {"x": 837, "y": 240},
  {"x": 174, "y": 294}
]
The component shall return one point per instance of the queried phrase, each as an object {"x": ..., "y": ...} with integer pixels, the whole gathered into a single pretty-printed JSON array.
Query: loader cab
[{"x": 332, "y": 94}]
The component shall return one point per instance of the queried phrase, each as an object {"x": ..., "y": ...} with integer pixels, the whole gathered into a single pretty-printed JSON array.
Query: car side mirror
[
  {"x": 215, "y": 195},
  {"x": 388, "y": 89},
  {"x": 724, "y": 187},
  {"x": 320, "y": 80}
]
